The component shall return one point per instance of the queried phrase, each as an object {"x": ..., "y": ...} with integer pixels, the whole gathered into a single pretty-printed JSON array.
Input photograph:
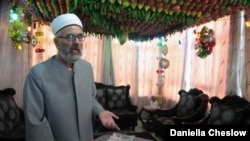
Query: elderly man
[{"x": 59, "y": 93}]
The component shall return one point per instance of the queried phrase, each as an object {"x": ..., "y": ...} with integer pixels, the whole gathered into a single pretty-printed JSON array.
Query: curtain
[
  {"x": 209, "y": 74},
  {"x": 136, "y": 64},
  {"x": 236, "y": 71},
  {"x": 108, "y": 72},
  {"x": 225, "y": 70},
  {"x": 186, "y": 69},
  {"x": 93, "y": 48},
  {"x": 246, "y": 90},
  {"x": 13, "y": 62}
]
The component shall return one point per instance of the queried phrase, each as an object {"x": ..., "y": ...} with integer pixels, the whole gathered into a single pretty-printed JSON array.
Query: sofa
[
  {"x": 117, "y": 100},
  {"x": 229, "y": 110},
  {"x": 12, "y": 123},
  {"x": 191, "y": 107}
]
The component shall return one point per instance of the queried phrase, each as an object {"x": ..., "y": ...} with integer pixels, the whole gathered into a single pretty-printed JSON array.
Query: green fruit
[
  {"x": 173, "y": 1},
  {"x": 133, "y": 5},
  {"x": 119, "y": 1},
  {"x": 125, "y": 3},
  {"x": 122, "y": 38},
  {"x": 112, "y": 1}
]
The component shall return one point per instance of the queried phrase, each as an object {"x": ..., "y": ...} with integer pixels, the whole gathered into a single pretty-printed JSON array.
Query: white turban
[{"x": 64, "y": 20}]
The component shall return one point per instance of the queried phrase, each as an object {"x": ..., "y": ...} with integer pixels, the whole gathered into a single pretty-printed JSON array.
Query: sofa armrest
[
  {"x": 21, "y": 114},
  {"x": 193, "y": 117},
  {"x": 202, "y": 121},
  {"x": 132, "y": 107},
  {"x": 167, "y": 112}
]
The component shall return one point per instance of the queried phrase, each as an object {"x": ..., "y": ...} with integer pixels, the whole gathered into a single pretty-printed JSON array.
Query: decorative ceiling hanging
[
  {"x": 139, "y": 20},
  {"x": 19, "y": 27}
]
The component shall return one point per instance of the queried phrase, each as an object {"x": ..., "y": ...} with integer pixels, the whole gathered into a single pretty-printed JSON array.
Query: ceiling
[{"x": 137, "y": 20}]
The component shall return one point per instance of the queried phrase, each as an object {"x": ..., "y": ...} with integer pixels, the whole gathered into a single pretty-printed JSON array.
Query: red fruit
[
  {"x": 150, "y": 2},
  {"x": 165, "y": 1},
  {"x": 133, "y": 1},
  {"x": 175, "y": 8},
  {"x": 166, "y": 5},
  {"x": 159, "y": 5},
  {"x": 205, "y": 1}
]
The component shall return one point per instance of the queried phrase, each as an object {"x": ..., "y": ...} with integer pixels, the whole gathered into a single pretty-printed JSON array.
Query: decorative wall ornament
[
  {"x": 19, "y": 27},
  {"x": 163, "y": 64},
  {"x": 33, "y": 41},
  {"x": 37, "y": 37},
  {"x": 204, "y": 42},
  {"x": 18, "y": 33}
]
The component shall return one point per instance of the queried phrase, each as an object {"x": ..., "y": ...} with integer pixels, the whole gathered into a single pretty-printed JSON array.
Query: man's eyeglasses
[{"x": 72, "y": 37}]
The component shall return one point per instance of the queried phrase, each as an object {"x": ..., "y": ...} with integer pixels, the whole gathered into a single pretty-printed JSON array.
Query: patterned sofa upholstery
[
  {"x": 191, "y": 107},
  {"x": 230, "y": 110},
  {"x": 12, "y": 124},
  {"x": 117, "y": 100}
]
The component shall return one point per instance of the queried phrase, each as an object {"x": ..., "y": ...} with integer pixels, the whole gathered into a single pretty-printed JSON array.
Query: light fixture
[
  {"x": 14, "y": 14},
  {"x": 247, "y": 21}
]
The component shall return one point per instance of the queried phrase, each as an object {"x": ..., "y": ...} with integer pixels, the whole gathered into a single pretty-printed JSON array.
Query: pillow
[
  {"x": 116, "y": 97},
  {"x": 224, "y": 114},
  {"x": 101, "y": 97},
  {"x": 9, "y": 113},
  {"x": 4, "y": 128},
  {"x": 12, "y": 115},
  {"x": 188, "y": 104}
]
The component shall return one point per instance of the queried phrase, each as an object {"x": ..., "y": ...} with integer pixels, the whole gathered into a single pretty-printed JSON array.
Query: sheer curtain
[
  {"x": 246, "y": 90},
  {"x": 209, "y": 74},
  {"x": 226, "y": 70},
  {"x": 137, "y": 65},
  {"x": 107, "y": 65},
  {"x": 236, "y": 71},
  {"x": 13, "y": 62}
]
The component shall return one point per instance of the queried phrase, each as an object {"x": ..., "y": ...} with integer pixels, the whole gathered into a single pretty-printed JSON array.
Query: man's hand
[{"x": 107, "y": 120}]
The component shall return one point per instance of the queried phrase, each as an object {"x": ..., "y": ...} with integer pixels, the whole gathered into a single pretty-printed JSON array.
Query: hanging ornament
[
  {"x": 204, "y": 42},
  {"x": 18, "y": 46},
  {"x": 18, "y": 29},
  {"x": 163, "y": 63},
  {"x": 164, "y": 49},
  {"x": 39, "y": 50},
  {"x": 33, "y": 41},
  {"x": 39, "y": 34}
]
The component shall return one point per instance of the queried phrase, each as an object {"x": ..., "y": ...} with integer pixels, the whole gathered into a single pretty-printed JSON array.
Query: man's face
[{"x": 69, "y": 43}]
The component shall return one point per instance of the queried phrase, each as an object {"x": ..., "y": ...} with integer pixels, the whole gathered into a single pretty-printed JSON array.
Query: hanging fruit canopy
[{"x": 139, "y": 20}]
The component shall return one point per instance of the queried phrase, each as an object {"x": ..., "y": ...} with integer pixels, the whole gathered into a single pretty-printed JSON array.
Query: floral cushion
[
  {"x": 101, "y": 97},
  {"x": 12, "y": 124},
  {"x": 4, "y": 129},
  {"x": 9, "y": 114},
  {"x": 116, "y": 98},
  {"x": 188, "y": 104},
  {"x": 224, "y": 114}
]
